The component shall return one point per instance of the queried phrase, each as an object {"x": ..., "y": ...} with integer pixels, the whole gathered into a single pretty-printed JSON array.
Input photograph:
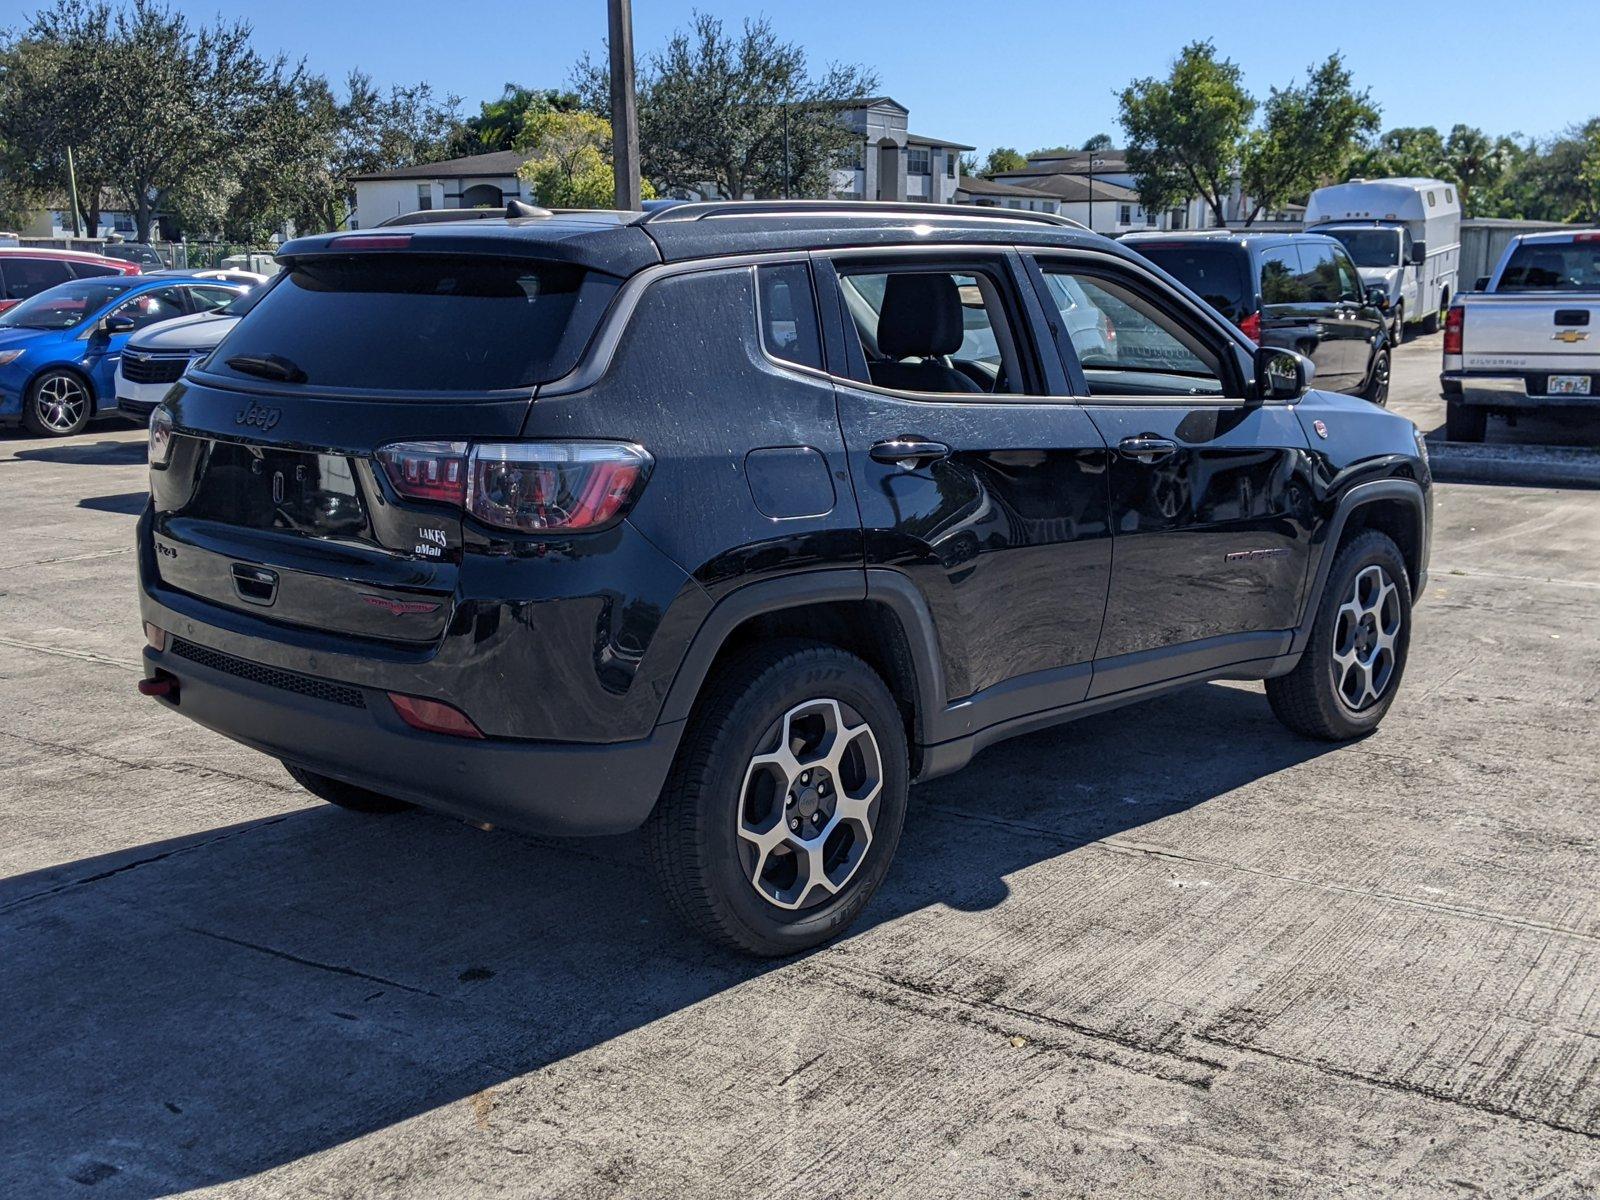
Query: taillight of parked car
[
  {"x": 160, "y": 437},
  {"x": 1251, "y": 327},
  {"x": 1455, "y": 324},
  {"x": 527, "y": 487}
]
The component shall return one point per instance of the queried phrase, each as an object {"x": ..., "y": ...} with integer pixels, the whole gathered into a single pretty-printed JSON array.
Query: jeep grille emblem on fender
[
  {"x": 399, "y": 608},
  {"x": 258, "y": 415}
]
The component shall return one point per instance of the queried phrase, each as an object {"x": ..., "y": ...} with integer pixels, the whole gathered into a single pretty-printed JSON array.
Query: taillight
[
  {"x": 1251, "y": 326},
  {"x": 554, "y": 487},
  {"x": 529, "y": 487},
  {"x": 160, "y": 437},
  {"x": 434, "y": 471},
  {"x": 1455, "y": 323}
]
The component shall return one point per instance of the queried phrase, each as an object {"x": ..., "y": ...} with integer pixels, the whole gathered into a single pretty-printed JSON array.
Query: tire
[
  {"x": 1464, "y": 422},
  {"x": 345, "y": 795},
  {"x": 1431, "y": 323},
  {"x": 718, "y": 841},
  {"x": 59, "y": 404},
  {"x": 1377, "y": 389},
  {"x": 1397, "y": 335},
  {"x": 1350, "y": 672}
]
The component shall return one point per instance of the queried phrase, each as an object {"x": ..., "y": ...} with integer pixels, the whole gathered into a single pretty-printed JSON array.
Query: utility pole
[
  {"x": 624, "y": 122},
  {"x": 72, "y": 190},
  {"x": 1093, "y": 163}
]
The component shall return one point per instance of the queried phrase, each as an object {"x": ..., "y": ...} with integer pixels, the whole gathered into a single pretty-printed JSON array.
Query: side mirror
[
  {"x": 1419, "y": 253},
  {"x": 1482, "y": 284},
  {"x": 116, "y": 323},
  {"x": 1282, "y": 374},
  {"x": 1378, "y": 297}
]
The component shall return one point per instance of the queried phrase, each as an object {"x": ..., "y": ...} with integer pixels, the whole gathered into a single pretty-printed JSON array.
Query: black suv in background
[
  {"x": 1299, "y": 291},
  {"x": 735, "y": 519}
]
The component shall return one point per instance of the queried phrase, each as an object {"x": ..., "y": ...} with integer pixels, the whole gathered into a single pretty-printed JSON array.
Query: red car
[{"x": 26, "y": 272}]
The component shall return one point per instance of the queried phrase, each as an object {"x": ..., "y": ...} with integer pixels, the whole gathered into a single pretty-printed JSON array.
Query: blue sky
[{"x": 1024, "y": 73}]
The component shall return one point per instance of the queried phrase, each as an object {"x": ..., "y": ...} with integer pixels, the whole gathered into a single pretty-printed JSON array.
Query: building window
[
  {"x": 950, "y": 157},
  {"x": 918, "y": 162},
  {"x": 424, "y": 196},
  {"x": 1150, "y": 219},
  {"x": 1124, "y": 214}
]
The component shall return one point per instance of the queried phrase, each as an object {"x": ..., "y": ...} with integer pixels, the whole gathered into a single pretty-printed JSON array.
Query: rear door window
[
  {"x": 421, "y": 323},
  {"x": 1217, "y": 274},
  {"x": 29, "y": 276}
]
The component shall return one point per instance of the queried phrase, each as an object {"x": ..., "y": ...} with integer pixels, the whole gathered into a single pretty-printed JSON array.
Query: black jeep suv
[{"x": 734, "y": 520}]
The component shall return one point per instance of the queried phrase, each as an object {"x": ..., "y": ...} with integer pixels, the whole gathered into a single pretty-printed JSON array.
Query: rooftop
[{"x": 501, "y": 162}]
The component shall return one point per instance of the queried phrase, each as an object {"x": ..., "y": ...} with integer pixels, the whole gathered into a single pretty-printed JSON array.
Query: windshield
[
  {"x": 1214, "y": 273},
  {"x": 1370, "y": 247},
  {"x": 1552, "y": 267},
  {"x": 417, "y": 323},
  {"x": 65, "y": 306}
]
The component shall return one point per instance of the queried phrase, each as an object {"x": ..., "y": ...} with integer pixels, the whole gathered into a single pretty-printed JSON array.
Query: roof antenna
[{"x": 516, "y": 208}]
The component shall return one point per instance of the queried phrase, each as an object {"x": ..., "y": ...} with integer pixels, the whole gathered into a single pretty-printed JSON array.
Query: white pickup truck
[{"x": 1529, "y": 337}]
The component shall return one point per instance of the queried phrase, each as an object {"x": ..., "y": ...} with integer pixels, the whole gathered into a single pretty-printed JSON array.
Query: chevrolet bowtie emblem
[{"x": 1570, "y": 336}]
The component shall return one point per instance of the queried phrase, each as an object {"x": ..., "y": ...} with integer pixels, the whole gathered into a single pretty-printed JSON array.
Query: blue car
[{"x": 59, "y": 350}]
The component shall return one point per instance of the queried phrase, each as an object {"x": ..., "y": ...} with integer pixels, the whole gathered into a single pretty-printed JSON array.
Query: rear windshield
[
  {"x": 1552, "y": 267},
  {"x": 1215, "y": 273},
  {"x": 418, "y": 323}
]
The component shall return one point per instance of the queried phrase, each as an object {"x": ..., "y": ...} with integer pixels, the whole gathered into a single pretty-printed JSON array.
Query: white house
[{"x": 476, "y": 181}]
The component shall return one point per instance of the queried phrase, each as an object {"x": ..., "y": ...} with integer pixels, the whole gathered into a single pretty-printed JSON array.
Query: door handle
[
  {"x": 908, "y": 452},
  {"x": 1147, "y": 449}
]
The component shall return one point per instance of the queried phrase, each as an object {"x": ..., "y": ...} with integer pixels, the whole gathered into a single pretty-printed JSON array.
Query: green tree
[
  {"x": 569, "y": 163},
  {"x": 1003, "y": 158},
  {"x": 1307, "y": 136},
  {"x": 1100, "y": 141},
  {"x": 1186, "y": 133},
  {"x": 741, "y": 111},
  {"x": 1410, "y": 150},
  {"x": 1478, "y": 163},
  {"x": 1587, "y": 177},
  {"x": 500, "y": 121}
]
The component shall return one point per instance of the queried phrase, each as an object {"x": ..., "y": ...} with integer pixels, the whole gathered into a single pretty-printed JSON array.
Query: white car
[{"x": 157, "y": 358}]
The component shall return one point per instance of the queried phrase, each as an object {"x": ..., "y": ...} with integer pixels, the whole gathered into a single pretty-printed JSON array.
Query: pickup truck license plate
[{"x": 1567, "y": 385}]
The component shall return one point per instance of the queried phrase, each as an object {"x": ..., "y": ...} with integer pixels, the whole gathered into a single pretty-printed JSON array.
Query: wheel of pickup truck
[
  {"x": 1397, "y": 333},
  {"x": 345, "y": 795},
  {"x": 786, "y": 801},
  {"x": 1431, "y": 323},
  {"x": 1352, "y": 666},
  {"x": 1464, "y": 422},
  {"x": 1377, "y": 389}
]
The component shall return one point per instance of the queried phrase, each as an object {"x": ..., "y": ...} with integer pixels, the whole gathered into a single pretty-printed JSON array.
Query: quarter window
[
  {"x": 1127, "y": 344},
  {"x": 789, "y": 314}
]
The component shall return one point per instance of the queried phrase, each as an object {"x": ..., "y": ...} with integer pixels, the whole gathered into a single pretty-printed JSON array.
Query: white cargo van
[{"x": 1405, "y": 237}]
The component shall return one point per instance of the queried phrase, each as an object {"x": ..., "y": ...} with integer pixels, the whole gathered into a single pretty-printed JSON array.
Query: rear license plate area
[{"x": 1568, "y": 385}]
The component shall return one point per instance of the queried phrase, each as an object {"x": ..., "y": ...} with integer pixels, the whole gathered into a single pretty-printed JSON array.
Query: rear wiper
[{"x": 268, "y": 366}]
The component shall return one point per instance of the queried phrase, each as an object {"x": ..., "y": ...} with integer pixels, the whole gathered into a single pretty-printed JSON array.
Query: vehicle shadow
[
  {"x": 194, "y": 1011},
  {"x": 95, "y": 454},
  {"x": 129, "y": 504}
]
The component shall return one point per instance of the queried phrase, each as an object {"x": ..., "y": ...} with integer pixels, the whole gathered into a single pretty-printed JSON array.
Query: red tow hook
[{"x": 162, "y": 685}]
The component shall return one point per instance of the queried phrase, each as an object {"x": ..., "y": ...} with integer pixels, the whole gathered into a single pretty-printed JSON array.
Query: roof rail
[{"x": 701, "y": 210}]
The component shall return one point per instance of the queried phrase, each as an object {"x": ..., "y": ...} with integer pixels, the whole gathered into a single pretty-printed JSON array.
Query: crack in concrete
[
  {"x": 311, "y": 962},
  {"x": 67, "y": 558},
  {"x": 79, "y": 655},
  {"x": 177, "y": 767},
  {"x": 71, "y": 884},
  {"x": 1399, "y": 1085}
]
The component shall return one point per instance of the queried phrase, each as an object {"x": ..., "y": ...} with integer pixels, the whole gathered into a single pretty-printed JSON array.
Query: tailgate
[
  {"x": 307, "y": 534},
  {"x": 1535, "y": 333}
]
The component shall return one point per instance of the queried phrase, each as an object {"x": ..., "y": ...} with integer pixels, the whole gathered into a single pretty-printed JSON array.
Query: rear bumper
[
  {"x": 1514, "y": 391},
  {"x": 354, "y": 734}
]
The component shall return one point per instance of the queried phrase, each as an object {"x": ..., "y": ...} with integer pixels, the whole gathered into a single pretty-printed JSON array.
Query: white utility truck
[
  {"x": 1405, "y": 237},
  {"x": 1530, "y": 339}
]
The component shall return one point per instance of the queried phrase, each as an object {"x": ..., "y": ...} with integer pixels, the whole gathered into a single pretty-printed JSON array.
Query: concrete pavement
[{"x": 1164, "y": 952}]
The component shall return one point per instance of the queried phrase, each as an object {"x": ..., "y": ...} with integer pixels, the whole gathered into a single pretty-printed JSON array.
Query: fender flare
[
  {"x": 892, "y": 589},
  {"x": 1407, "y": 490}
]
